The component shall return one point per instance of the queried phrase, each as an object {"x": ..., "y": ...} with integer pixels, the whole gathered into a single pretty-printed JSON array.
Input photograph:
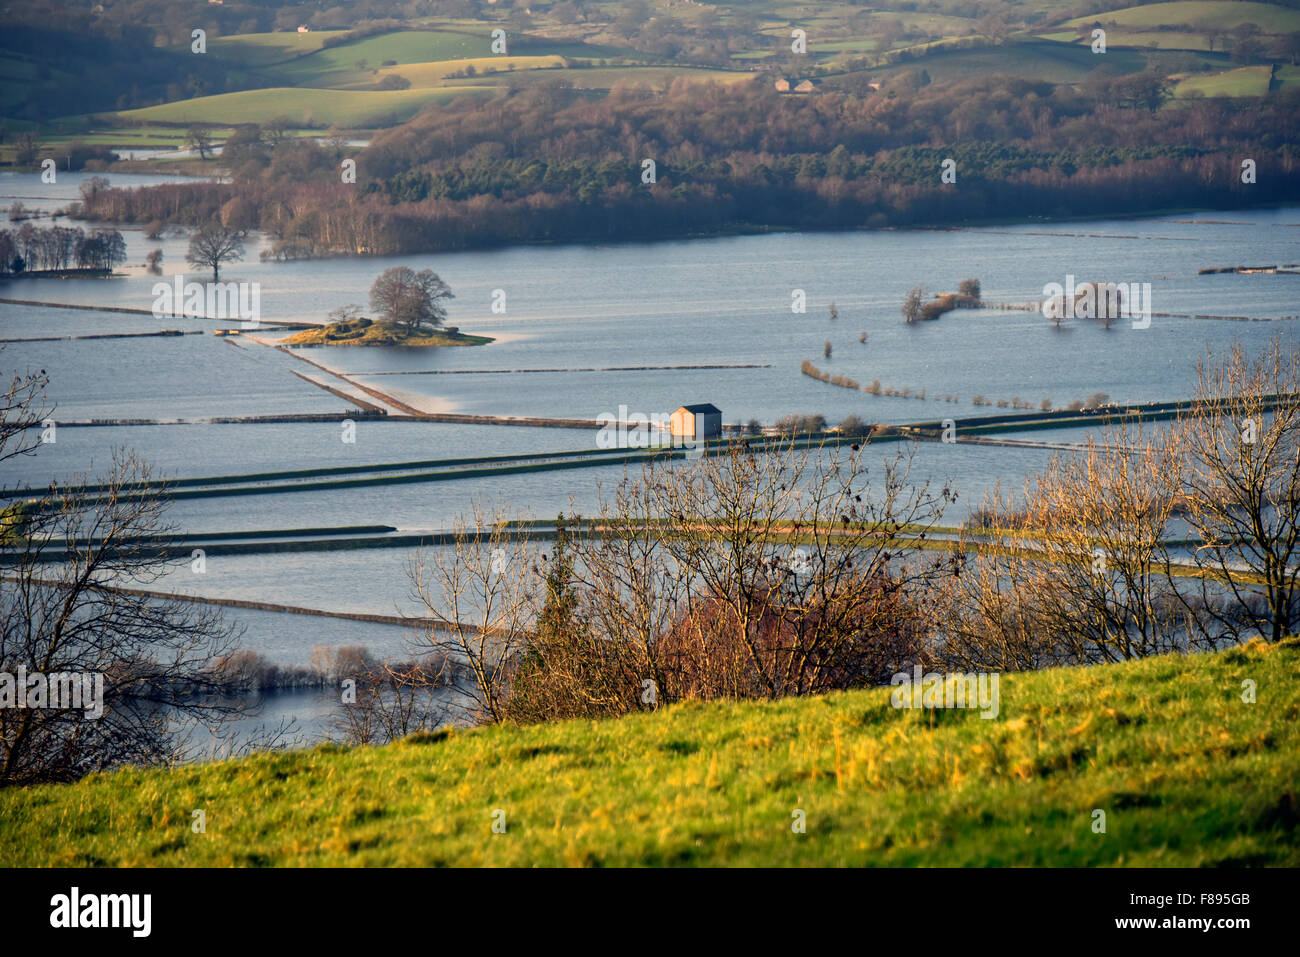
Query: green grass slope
[
  {"x": 1200, "y": 14},
  {"x": 1186, "y": 772},
  {"x": 1246, "y": 81},
  {"x": 261, "y": 49},
  {"x": 349, "y": 108},
  {"x": 415, "y": 46},
  {"x": 1031, "y": 59}
]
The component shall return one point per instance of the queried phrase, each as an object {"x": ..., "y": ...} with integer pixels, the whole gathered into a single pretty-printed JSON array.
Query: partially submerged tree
[
  {"x": 409, "y": 298},
  {"x": 213, "y": 245},
  {"x": 913, "y": 303}
]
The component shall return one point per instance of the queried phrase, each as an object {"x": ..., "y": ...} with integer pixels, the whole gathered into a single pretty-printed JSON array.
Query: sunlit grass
[
  {"x": 349, "y": 108},
  {"x": 1185, "y": 771}
]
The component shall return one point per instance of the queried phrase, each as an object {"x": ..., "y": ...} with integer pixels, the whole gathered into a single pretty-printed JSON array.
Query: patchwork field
[{"x": 315, "y": 85}]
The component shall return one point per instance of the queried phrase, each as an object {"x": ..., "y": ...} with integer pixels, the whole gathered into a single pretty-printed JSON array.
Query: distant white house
[
  {"x": 700, "y": 421},
  {"x": 304, "y": 29}
]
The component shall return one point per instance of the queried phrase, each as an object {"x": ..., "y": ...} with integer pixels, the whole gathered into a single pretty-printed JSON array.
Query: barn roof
[{"x": 707, "y": 408}]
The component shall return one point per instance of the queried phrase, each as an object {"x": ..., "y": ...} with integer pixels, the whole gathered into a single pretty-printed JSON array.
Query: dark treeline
[
  {"x": 59, "y": 247},
  {"x": 527, "y": 167}
]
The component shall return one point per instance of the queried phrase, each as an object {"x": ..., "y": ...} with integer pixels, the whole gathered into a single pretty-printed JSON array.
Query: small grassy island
[
  {"x": 368, "y": 332},
  {"x": 411, "y": 306}
]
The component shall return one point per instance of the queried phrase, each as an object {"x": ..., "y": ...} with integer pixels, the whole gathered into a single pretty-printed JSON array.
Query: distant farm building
[
  {"x": 805, "y": 87},
  {"x": 783, "y": 86},
  {"x": 304, "y": 29},
  {"x": 701, "y": 421}
]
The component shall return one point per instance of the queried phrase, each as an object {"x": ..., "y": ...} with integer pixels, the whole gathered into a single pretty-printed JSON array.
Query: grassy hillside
[
  {"x": 1201, "y": 13},
  {"x": 1031, "y": 59},
  {"x": 407, "y": 47},
  {"x": 348, "y": 108},
  {"x": 1246, "y": 81},
  {"x": 435, "y": 72},
  {"x": 1187, "y": 773},
  {"x": 337, "y": 65},
  {"x": 261, "y": 49}
]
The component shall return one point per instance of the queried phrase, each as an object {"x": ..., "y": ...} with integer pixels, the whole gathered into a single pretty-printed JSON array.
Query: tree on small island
[
  {"x": 345, "y": 314},
  {"x": 215, "y": 244},
  {"x": 913, "y": 303},
  {"x": 412, "y": 299}
]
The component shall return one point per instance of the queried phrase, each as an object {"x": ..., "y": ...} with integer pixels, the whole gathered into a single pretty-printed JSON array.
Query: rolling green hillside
[
  {"x": 1247, "y": 81},
  {"x": 319, "y": 108},
  {"x": 261, "y": 49},
  {"x": 1201, "y": 13},
  {"x": 1186, "y": 772},
  {"x": 1031, "y": 59}
]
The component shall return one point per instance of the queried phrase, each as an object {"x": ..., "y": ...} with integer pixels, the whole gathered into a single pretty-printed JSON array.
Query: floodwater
[{"x": 591, "y": 330}]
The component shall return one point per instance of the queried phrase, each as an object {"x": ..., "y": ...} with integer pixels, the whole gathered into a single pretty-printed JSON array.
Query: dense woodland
[{"x": 527, "y": 168}]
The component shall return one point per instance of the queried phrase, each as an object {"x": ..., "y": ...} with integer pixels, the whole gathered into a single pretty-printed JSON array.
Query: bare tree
[
  {"x": 806, "y": 565},
  {"x": 200, "y": 140},
  {"x": 410, "y": 298},
  {"x": 1080, "y": 571},
  {"x": 481, "y": 596},
  {"x": 392, "y": 701},
  {"x": 65, "y": 614},
  {"x": 213, "y": 245},
  {"x": 1243, "y": 482},
  {"x": 913, "y": 302},
  {"x": 888, "y": 33},
  {"x": 92, "y": 187},
  {"x": 69, "y": 555},
  {"x": 761, "y": 572},
  {"x": 23, "y": 405}
]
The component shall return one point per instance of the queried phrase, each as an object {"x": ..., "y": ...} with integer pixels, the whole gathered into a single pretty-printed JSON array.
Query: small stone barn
[{"x": 701, "y": 421}]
